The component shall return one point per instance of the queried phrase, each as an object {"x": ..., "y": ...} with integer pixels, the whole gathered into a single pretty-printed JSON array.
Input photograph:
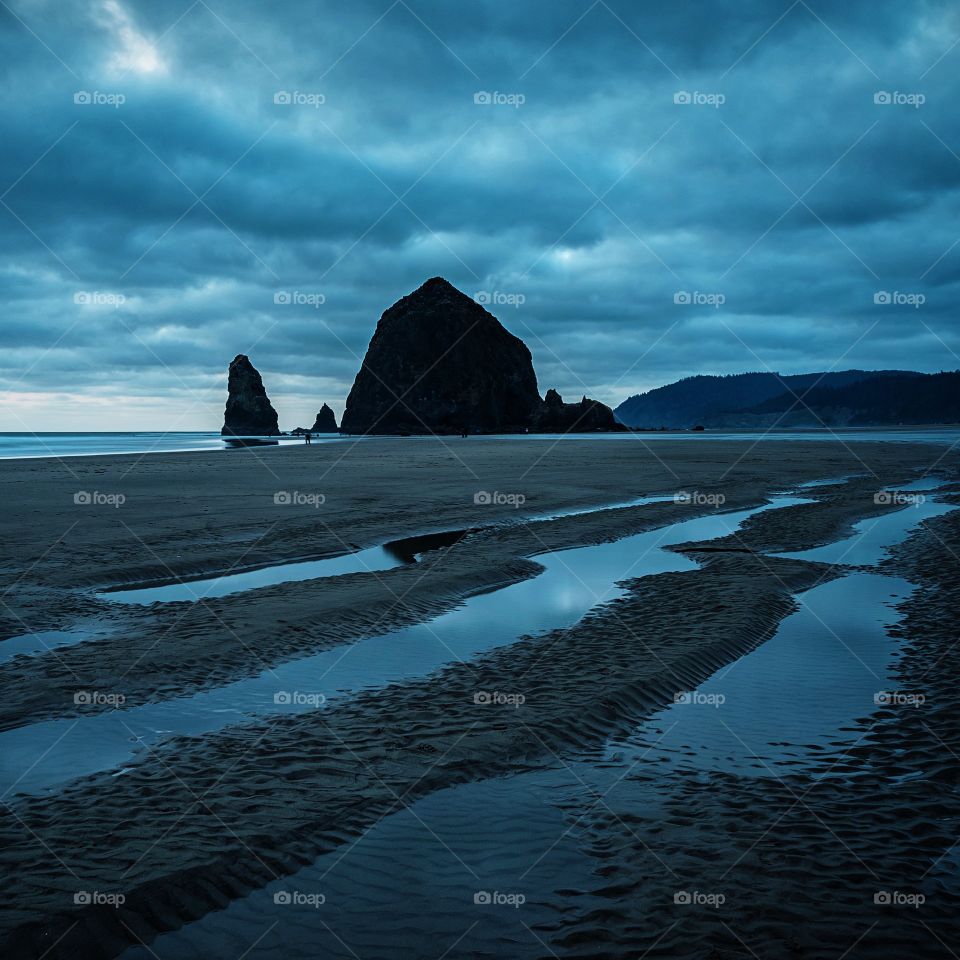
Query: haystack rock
[
  {"x": 249, "y": 412},
  {"x": 587, "y": 416},
  {"x": 439, "y": 363},
  {"x": 326, "y": 421}
]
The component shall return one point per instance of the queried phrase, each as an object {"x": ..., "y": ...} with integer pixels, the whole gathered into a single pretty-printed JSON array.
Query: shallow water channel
[
  {"x": 41, "y": 755},
  {"x": 396, "y": 553},
  {"x": 488, "y": 868}
]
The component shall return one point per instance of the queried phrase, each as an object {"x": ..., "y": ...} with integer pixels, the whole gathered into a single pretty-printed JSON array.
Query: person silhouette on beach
[{"x": 307, "y": 438}]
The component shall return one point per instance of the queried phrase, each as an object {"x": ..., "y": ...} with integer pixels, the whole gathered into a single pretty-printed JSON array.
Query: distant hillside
[
  {"x": 878, "y": 401},
  {"x": 847, "y": 398}
]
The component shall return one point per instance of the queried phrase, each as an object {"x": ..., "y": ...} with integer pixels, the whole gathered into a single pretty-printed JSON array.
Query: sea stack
[
  {"x": 439, "y": 363},
  {"x": 249, "y": 412},
  {"x": 326, "y": 421},
  {"x": 587, "y": 416}
]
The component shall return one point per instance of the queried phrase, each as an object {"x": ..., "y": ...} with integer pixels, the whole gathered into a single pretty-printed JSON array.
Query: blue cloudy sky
[{"x": 171, "y": 169}]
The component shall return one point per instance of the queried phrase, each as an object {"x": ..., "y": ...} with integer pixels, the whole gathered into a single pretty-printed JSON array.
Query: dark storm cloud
[{"x": 147, "y": 242}]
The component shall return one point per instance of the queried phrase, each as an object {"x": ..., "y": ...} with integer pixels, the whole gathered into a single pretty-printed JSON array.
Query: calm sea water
[
  {"x": 19, "y": 445},
  {"x": 16, "y": 445}
]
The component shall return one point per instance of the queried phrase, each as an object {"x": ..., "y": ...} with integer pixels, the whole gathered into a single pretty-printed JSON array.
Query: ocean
[{"x": 24, "y": 444}]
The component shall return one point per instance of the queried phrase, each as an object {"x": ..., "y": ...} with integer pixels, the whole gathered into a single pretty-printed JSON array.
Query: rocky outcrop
[
  {"x": 555, "y": 416},
  {"x": 439, "y": 363},
  {"x": 249, "y": 411},
  {"x": 326, "y": 421}
]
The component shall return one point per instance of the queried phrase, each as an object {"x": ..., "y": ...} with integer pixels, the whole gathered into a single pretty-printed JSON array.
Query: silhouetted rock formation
[
  {"x": 326, "y": 421},
  {"x": 555, "y": 416},
  {"x": 439, "y": 363},
  {"x": 249, "y": 411}
]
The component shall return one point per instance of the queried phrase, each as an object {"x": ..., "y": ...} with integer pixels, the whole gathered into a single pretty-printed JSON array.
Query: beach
[{"x": 184, "y": 757}]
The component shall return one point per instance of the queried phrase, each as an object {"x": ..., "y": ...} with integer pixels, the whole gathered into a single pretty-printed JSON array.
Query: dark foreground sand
[{"x": 201, "y": 820}]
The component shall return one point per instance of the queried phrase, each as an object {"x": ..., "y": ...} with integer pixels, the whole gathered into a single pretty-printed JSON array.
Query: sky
[{"x": 640, "y": 191}]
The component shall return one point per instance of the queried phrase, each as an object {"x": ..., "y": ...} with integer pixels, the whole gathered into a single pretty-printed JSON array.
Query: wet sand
[{"x": 198, "y": 821}]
